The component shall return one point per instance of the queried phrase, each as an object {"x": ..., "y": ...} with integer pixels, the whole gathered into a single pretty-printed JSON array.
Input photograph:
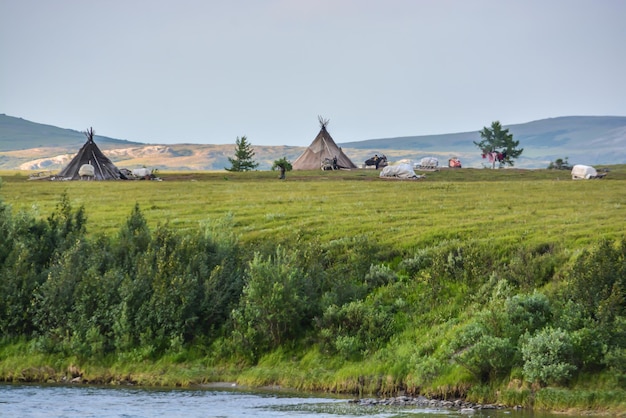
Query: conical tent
[
  {"x": 323, "y": 147},
  {"x": 89, "y": 153}
]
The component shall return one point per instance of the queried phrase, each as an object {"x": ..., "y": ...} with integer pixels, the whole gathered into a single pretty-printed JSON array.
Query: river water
[{"x": 42, "y": 401}]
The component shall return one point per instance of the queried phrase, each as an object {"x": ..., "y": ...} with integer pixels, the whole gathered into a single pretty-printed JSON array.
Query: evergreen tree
[
  {"x": 244, "y": 155},
  {"x": 498, "y": 145}
]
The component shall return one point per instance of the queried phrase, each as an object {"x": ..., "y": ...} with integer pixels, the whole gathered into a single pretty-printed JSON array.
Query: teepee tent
[
  {"x": 323, "y": 147},
  {"x": 90, "y": 154}
]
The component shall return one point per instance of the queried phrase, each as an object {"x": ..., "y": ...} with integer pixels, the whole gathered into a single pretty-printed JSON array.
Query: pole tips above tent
[
  {"x": 323, "y": 122},
  {"x": 89, "y": 133}
]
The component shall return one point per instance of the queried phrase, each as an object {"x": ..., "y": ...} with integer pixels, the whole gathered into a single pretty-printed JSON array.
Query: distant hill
[
  {"x": 582, "y": 139},
  {"x": 20, "y": 134}
]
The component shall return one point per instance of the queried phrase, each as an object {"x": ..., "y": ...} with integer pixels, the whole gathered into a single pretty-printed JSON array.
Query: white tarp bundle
[
  {"x": 400, "y": 171},
  {"x": 87, "y": 170},
  {"x": 142, "y": 172},
  {"x": 429, "y": 162},
  {"x": 586, "y": 172}
]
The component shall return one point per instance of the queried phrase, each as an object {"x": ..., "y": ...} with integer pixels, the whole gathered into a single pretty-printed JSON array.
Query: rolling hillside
[
  {"x": 19, "y": 134},
  {"x": 27, "y": 145},
  {"x": 583, "y": 139}
]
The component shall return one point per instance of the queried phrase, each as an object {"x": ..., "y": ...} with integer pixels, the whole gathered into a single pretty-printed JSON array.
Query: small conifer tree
[{"x": 244, "y": 154}]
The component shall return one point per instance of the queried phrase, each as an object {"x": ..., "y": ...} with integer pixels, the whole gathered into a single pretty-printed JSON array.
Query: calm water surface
[{"x": 25, "y": 401}]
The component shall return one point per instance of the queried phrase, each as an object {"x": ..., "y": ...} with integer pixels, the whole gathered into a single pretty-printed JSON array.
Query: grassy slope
[
  {"x": 503, "y": 207},
  {"x": 520, "y": 204}
]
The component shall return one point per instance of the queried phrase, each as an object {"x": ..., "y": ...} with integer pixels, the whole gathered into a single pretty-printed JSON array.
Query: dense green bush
[
  {"x": 488, "y": 346},
  {"x": 597, "y": 280},
  {"x": 359, "y": 328},
  {"x": 531, "y": 268},
  {"x": 180, "y": 289},
  {"x": 273, "y": 303},
  {"x": 548, "y": 356},
  {"x": 92, "y": 295},
  {"x": 525, "y": 314},
  {"x": 56, "y": 300},
  {"x": 344, "y": 263},
  {"x": 29, "y": 247},
  {"x": 482, "y": 348},
  {"x": 356, "y": 329},
  {"x": 379, "y": 275},
  {"x": 593, "y": 305}
]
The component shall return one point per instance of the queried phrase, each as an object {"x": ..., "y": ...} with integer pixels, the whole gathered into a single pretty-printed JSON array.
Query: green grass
[
  {"x": 503, "y": 206},
  {"x": 555, "y": 399}
]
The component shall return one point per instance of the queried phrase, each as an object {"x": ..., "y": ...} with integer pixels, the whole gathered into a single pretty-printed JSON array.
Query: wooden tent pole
[{"x": 100, "y": 168}]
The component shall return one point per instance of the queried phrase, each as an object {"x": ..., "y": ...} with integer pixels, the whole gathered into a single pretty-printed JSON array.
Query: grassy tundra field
[
  {"x": 508, "y": 206},
  {"x": 499, "y": 286}
]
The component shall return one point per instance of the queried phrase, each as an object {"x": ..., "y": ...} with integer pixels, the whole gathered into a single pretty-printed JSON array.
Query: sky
[{"x": 210, "y": 71}]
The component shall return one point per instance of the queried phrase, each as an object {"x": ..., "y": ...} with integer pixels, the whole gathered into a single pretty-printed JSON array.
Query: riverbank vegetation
[{"x": 504, "y": 286}]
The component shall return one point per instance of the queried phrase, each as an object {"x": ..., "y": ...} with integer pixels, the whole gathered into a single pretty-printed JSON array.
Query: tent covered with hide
[
  {"x": 322, "y": 150},
  {"x": 90, "y": 155}
]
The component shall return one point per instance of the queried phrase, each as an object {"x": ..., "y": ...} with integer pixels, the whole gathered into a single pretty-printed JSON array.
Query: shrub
[
  {"x": 55, "y": 299},
  {"x": 380, "y": 275},
  {"x": 547, "y": 357},
  {"x": 526, "y": 314},
  {"x": 18, "y": 280},
  {"x": 596, "y": 276},
  {"x": 132, "y": 241},
  {"x": 341, "y": 265},
  {"x": 467, "y": 262},
  {"x": 419, "y": 261},
  {"x": 356, "y": 328},
  {"x": 273, "y": 303},
  {"x": 28, "y": 249},
  {"x": 532, "y": 268},
  {"x": 482, "y": 353},
  {"x": 426, "y": 369}
]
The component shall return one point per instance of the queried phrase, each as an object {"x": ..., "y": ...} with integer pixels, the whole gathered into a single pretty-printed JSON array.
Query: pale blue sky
[{"x": 208, "y": 71}]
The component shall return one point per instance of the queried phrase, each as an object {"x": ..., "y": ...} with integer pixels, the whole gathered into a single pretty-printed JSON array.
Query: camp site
[
  {"x": 217, "y": 276},
  {"x": 91, "y": 164},
  {"x": 313, "y": 209}
]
